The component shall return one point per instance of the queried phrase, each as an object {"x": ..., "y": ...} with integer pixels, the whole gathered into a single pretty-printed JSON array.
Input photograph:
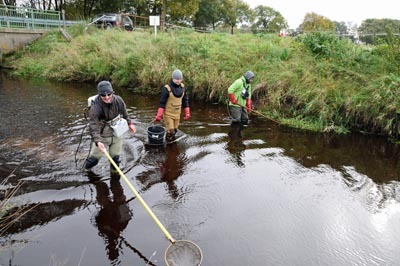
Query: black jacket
[{"x": 177, "y": 90}]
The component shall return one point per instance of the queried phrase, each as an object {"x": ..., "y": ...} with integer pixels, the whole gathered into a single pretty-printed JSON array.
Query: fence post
[
  {"x": 63, "y": 17},
  {"x": 32, "y": 18}
]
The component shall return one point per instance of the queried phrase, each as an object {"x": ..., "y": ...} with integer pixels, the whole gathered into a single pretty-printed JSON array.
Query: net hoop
[{"x": 183, "y": 252}]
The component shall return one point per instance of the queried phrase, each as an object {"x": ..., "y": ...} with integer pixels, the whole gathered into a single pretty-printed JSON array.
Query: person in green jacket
[{"x": 240, "y": 103}]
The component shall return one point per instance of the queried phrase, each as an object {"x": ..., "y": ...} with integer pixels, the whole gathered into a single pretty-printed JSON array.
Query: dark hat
[
  {"x": 177, "y": 74},
  {"x": 248, "y": 75},
  {"x": 104, "y": 87}
]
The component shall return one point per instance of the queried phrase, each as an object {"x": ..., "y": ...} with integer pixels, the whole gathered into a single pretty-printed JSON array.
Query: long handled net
[
  {"x": 183, "y": 252},
  {"x": 179, "y": 252}
]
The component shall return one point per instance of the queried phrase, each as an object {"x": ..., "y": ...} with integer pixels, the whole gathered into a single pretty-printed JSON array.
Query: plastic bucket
[{"x": 156, "y": 134}]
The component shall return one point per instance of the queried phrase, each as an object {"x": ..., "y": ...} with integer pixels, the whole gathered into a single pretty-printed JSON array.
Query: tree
[
  {"x": 86, "y": 7},
  {"x": 57, "y": 5},
  {"x": 373, "y": 30},
  {"x": 179, "y": 10},
  {"x": 183, "y": 10},
  {"x": 340, "y": 28},
  {"x": 109, "y": 6},
  {"x": 143, "y": 7},
  {"x": 74, "y": 9},
  {"x": 209, "y": 13},
  {"x": 234, "y": 12},
  {"x": 315, "y": 22},
  {"x": 9, "y": 2},
  {"x": 268, "y": 20}
]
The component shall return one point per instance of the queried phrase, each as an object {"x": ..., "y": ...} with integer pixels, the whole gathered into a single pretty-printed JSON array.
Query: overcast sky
[{"x": 354, "y": 11}]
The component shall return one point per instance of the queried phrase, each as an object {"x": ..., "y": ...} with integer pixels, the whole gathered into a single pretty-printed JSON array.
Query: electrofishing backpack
[{"x": 90, "y": 102}]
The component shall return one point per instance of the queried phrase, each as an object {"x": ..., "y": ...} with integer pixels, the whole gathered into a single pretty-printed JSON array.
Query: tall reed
[{"x": 314, "y": 81}]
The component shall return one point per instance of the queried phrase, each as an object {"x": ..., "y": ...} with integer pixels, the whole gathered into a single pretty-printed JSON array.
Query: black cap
[{"x": 104, "y": 87}]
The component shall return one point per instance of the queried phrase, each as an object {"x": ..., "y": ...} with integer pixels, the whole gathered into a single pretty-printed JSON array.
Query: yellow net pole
[{"x": 147, "y": 208}]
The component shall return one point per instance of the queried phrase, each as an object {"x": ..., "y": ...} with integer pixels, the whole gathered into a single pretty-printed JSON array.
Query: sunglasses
[{"x": 104, "y": 95}]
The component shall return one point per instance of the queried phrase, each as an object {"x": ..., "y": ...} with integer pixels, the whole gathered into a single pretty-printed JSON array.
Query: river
[{"x": 262, "y": 195}]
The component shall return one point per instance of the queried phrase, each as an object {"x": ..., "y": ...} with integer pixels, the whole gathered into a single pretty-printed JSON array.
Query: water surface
[{"x": 262, "y": 195}]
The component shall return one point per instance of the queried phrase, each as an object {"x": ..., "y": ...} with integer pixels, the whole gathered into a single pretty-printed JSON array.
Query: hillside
[{"x": 316, "y": 81}]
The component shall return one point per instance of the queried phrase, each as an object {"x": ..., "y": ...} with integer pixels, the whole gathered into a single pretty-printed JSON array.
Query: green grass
[{"x": 316, "y": 81}]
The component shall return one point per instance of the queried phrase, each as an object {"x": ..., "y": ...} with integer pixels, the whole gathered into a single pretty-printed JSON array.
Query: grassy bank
[{"x": 316, "y": 82}]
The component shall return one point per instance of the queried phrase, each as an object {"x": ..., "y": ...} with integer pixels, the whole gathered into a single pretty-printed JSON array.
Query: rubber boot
[
  {"x": 86, "y": 169},
  {"x": 170, "y": 136},
  {"x": 89, "y": 164},
  {"x": 113, "y": 172}
]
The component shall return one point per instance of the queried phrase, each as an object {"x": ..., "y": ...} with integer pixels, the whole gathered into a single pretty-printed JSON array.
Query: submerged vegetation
[
  {"x": 9, "y": 213},
  {"x": 315, "y": 81}
]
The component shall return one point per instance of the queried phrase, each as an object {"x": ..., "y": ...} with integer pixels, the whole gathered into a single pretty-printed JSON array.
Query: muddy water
[{"x": 262, "y": 195}]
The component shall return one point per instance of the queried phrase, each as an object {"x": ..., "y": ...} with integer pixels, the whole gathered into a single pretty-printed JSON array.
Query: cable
[
  {"x": 85, "y": 114},
  {"x": 80, "y": 141}
]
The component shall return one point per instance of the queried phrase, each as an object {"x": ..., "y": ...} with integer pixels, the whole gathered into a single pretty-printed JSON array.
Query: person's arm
[
  {"x": 249, "y": 103},
  {"x": 185, "y": 105},
  {"x": 95, "y": 125},
  {"x": 161, "y": 106},
  {"x": 185, "y": 99},
  {"x": 234, "y": 91}
]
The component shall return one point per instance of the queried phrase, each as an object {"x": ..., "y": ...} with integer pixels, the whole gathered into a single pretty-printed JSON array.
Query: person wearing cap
[
  {"x": 106, "y": 107},
  {"x": 240, "y": 103},
  {"x": 173, "y": 98}
]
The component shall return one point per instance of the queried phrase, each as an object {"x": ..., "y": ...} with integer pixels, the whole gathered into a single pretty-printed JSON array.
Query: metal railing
[{"x": 29, "y": 18}]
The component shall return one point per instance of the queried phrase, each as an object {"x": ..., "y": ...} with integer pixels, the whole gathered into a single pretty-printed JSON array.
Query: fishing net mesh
[{"x": 183, "y": 252}]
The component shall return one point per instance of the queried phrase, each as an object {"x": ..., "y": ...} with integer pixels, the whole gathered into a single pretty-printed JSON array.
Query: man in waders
[
  {"x": 240, "y": 99},
  {"x": 173, "y": 98},
  {"x": 106, "y": 110}
]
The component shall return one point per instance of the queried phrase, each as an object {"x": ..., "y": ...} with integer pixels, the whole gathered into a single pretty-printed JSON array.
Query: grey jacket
[{"x": 101, "y": 113}]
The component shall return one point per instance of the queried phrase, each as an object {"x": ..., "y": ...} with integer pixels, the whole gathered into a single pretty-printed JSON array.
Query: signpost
[{"x": 154, "y": 21}]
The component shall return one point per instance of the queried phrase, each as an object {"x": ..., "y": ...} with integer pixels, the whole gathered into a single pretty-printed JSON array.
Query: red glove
[
  {"x": 232, "y": 98},
  {"x": 187, "y": 113},
  {"x": 159, "y": 115},
  {"x": 249, "y": 105}
]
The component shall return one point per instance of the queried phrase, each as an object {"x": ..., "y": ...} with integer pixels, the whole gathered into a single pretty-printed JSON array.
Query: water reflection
[
  {"x": 163, "y": 164},
  {"x": 24, "y": 217},
  {"x": 113, "y": 216},
  {"x": 172, "y": 168},
  {"x": 318, "y": 195},
  {"x": 235, "y": 145}
]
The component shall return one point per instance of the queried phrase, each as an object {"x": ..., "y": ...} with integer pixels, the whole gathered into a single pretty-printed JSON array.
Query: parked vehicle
[{"x": 113, "y": 20}]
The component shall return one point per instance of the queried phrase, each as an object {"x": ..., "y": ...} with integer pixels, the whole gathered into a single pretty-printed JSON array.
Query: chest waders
[
  {"x": 172, "y": 112},
  {"x": 113, "y": 143},
  {"x": 238, "y": 112}
]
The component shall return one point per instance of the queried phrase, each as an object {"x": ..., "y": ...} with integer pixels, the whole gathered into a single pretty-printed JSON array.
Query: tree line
[{"x": 214, "y": 14}]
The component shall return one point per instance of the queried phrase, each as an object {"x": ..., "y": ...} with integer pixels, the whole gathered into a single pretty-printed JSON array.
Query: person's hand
[
  {"x": 132, "y": 128},
  {"x": 232, "y": 98},
  {"x": 101, "y": 147},
  {"x": 159, "y": 115},
  {"x": 249, "y": 105},
  {"x": 187, "y": 113}
]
